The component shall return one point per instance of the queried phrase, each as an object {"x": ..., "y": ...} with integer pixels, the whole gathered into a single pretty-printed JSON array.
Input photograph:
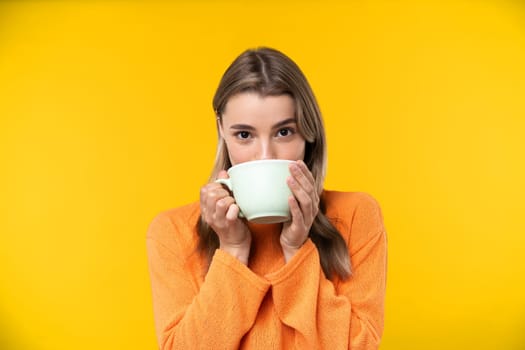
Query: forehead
[{"x": 250, "y": 107}]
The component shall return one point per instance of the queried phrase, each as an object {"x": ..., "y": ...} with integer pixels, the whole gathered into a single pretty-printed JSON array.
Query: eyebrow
[{"x": 249, "y": 127}]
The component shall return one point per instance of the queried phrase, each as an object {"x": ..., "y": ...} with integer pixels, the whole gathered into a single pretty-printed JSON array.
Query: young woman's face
[{"x": 256, "y": 127}]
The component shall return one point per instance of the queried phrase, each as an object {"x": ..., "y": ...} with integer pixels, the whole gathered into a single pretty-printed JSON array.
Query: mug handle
[{"x": 228, "y": 183}]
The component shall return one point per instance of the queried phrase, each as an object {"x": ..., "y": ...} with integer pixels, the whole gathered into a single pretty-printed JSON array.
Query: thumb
[{"x": 222, "y": 175}]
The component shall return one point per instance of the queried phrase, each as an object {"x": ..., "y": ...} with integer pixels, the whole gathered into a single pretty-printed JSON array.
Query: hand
[
  {"x": 304, "y": 206},
  {"x": 219, "y": 211}
]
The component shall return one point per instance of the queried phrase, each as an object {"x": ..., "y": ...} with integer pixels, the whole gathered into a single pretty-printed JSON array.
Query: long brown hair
[{"x": 269, "y": 72}]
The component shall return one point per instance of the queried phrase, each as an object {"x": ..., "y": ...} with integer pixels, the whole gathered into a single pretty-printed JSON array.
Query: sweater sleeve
[
  {"x": 349, "y": 316},
  {"x": 215, "y": 315}
]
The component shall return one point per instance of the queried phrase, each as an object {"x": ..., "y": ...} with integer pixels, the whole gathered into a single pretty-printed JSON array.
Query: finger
[
  {"x": 233, "y": 212},
  {"x": 210, "y": 189},
  {"x": 296, "y": 212},
  {"x": 307, "y": 182},
  {"x": 302, "y": 197},
  {"x": 306, "y": 171},
  {"x": 222, "y": 206},
  {"x": 212, "y": 194},
  {"x": 302, "y": 176},
  {"x": 203, "y": 194},
  {"x": 223, "y": 174},
  {"x": 310, "y": 178}
]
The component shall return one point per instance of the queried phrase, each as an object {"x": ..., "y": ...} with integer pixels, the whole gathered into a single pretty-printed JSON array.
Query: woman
[{"x": 314, "y": 282}]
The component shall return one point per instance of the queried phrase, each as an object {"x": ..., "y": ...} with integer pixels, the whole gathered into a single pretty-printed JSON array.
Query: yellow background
[{"x": 106, "y": 120}]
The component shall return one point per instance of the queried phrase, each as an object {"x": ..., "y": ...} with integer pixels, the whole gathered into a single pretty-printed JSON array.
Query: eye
[
  {"x": 284, "y": 132},
  {"x": 243, "y": 135}
]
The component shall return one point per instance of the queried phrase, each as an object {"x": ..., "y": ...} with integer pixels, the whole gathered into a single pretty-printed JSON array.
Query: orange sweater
[{"x": 269, "y": 304}]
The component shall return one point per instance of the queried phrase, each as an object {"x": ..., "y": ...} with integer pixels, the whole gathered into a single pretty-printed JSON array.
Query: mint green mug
[{"x": 260, "y": 189}]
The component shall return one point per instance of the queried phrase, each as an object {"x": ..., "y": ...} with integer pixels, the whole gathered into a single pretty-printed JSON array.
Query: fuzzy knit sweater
[{"x": 269, "y": 304}]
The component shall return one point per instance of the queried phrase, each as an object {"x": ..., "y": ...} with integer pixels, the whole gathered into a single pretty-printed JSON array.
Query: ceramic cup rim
[{"x": 254, "y": 162}]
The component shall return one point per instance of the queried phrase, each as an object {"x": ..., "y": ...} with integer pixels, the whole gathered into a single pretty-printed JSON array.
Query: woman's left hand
[{"x": 304, "y": 206}]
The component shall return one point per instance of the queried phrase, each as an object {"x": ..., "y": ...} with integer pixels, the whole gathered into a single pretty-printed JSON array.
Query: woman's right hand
[{"x": 219, "y": 211}]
